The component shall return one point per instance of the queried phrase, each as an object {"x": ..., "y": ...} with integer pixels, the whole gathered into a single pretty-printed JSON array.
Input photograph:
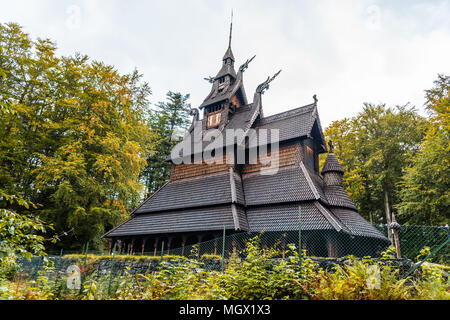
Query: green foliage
[
  {"x": 350, "y": 282},
  {"x": 168, "y": 121},
  {"x": 20, "y": 235},
  {"x": 75, "y": 136},
  {"x": 374, "y": 148},
  {"x": 425, "y": 186},
  {"x": 258, "y": 274}
]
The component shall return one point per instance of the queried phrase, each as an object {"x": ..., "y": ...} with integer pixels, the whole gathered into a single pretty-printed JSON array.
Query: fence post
[
  {"x": 223, "y": 249},
  {"x": 57, "y": 275},
  {"x": 83, "y": 271},
  {"x": 394, "y": 227},
  {"x": 85, "y": 254},
  {"x": 162, "y": 250},
  {"x": 300, "y": 253},
  {"x": 112, "y": 268}
]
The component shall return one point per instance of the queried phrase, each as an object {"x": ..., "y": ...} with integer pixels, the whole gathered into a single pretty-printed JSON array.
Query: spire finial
[
  {"x": 330, "y": 143},
  {"x": 231, "y": 29}
]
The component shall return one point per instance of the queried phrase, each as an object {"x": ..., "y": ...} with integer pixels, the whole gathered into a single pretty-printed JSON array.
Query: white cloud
[{"x": 346, "y": 52}]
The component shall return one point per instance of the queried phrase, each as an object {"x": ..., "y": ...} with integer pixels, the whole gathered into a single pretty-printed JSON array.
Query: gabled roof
[
  {"x": 292, "y": 124},
  {"x": 187, "y": 220},
  {"x": 214, "y": 96},
  {"x": 226, "y": 69},
  {"x": 228, "y": 54}
]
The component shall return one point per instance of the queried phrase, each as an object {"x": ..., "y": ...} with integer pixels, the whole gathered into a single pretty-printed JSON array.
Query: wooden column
[
  {"x": 331, "y": 249},
  {"x": 169, "y": 243},
  {"x": 183, "y": 243},
  {"x": 304, "y": 247},
  {"x": 131, "y": 246},
  {"x": 395, "y": 226},
  {"x": 144, "y": 241},
  {"x": 111, "y": 245},
  {"x": 199, "y": 239},
  {"x": 156, "y": 246},
  {"x": 121, "y": 246},
  {"x": 234, "y": 247}
]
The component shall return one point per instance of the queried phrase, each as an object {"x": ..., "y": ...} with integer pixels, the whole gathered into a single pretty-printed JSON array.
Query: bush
[{"x": 259, "y": 274}]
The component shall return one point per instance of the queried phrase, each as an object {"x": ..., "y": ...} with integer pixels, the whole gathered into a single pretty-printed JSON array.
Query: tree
[
  {"x": 425, "y": 185},
  {"x": 77, "y": 139},
  {"x": 20, "y": 235},
  {"x": 374, "y": 148},
  {"x": 168, "y": 120}
]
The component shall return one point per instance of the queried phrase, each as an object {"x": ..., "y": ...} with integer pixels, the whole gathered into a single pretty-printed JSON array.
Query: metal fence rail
[{"x": 215, "y": 253}]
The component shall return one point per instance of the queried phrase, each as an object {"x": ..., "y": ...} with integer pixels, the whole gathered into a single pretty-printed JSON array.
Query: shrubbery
[{"x": 257, "y": 276}]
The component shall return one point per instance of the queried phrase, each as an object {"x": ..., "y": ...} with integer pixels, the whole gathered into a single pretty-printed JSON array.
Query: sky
[{"x": 346, "y": 52}]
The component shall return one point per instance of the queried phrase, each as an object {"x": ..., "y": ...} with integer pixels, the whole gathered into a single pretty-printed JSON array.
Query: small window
[
  {"x": 309, "y": 157},
  {"x": 221, "y": 86},
  {"x": 214, "y": 119}
]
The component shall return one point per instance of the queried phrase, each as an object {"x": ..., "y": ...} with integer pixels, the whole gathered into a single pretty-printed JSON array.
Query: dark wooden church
[{"x": 202, "y": 198}]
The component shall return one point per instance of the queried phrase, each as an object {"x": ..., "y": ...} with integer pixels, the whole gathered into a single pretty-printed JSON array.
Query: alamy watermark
[
  {"x": 73, "y": 20},
  {"x": 374, "y": 278},
  {"x": 73, "y": 277}
]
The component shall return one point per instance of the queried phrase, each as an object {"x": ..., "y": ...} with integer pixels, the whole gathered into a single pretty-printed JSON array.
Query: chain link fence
[{"x": 213, "y": 254}]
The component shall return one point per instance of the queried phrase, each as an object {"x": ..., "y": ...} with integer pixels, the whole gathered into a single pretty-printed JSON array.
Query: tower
[{"x": 226, "y": 95}]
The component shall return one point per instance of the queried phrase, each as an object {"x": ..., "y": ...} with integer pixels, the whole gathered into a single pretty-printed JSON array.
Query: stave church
[{"x": 234, "y": 186}]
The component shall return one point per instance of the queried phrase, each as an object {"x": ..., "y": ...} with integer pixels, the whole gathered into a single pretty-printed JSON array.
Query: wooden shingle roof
[
  {"x": 332, "y": 164},
  {"x": 184, "y": 220}
]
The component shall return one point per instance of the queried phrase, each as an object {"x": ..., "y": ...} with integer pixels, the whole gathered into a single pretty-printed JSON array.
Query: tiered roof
[{"x": 252, "y": 201}]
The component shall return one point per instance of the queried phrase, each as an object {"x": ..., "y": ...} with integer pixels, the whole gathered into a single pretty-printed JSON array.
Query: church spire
[
  {"x": 228, "y": 58},
  {"x": 229, "y": 53},
  {"x": 231, "y": 29}
]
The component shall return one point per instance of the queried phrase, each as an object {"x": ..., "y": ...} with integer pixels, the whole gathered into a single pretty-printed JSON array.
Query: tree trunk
[
  {"x": 388, "y": 214},
  {"x": 396, "y": 238}
]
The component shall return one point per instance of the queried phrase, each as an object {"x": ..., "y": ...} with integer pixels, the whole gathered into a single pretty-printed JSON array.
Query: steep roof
[
  {"x": 195, "y": 192},
  {"x": 264, "y": 203},
  {"x": 357, "y": 225},
  {"x": 337, "y": 197},
  {"x": 286, "y": 217},
  {"x": 332, "y": 164},
  {"x": 256, "y": 201},
  {"x": 200, "y": 219},
  {"x": 292, "y": 124},
  {"x": 289, "y": 184}
]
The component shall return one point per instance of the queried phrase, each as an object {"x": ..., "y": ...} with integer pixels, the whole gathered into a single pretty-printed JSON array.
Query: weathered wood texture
[
  {"x": 288, "y": 156},
  {"x": 189, "y": 170}
]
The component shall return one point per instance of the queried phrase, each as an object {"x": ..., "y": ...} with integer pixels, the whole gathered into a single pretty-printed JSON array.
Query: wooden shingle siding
[
  {"x": 288, "y": 156},
  {"x": 189, "y": 170}
]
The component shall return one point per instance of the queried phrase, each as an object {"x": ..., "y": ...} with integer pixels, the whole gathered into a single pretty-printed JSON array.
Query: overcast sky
[{"x": 346, "y": 52}]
